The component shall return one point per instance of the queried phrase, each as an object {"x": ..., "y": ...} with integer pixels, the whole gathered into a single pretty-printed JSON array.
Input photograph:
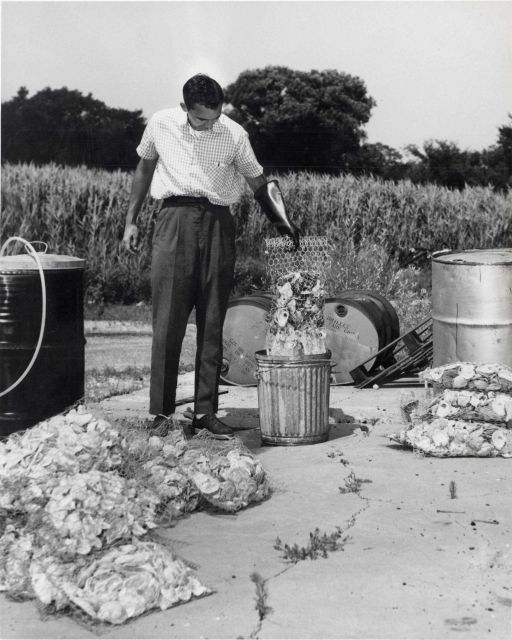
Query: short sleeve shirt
[{"x": 209, "y": 164}]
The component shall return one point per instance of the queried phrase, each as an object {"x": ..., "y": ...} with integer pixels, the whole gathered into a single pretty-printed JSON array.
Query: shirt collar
[{"x": 216, "y": 129}]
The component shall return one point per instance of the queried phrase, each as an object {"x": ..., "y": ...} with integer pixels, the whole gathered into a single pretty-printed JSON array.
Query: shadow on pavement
[{"x": 247, "y": 426}]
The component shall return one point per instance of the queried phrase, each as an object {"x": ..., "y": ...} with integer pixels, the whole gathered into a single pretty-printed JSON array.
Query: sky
[{"x": 437, "y": 70}]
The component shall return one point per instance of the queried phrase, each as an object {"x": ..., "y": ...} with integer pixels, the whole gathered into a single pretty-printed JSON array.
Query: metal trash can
[{"x": 293, "y": 398}]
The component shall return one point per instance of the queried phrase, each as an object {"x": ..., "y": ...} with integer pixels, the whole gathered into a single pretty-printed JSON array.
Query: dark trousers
[{"x": 193, "y": 263}]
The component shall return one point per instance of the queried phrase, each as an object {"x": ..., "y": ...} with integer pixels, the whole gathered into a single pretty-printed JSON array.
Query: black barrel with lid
[{"x": 56, "y": 378}]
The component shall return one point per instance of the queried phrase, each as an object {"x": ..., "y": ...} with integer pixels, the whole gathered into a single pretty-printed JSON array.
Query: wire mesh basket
[
  {"x": 313, "y": 257},
  {"x": 297, "y": 280}
]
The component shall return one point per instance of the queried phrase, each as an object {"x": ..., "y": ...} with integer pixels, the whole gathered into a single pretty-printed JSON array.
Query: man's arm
[
  {"x": 140, "y": 186},
  {"x": 256, "y": 183},
  {"x": 268, "y": 195}
]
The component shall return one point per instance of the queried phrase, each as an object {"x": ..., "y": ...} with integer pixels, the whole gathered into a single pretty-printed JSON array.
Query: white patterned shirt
[{"x": 210, "y": 163}]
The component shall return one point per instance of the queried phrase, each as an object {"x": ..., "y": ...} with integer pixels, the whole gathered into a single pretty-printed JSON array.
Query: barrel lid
[
  {"x": 49, "y": 261},
  {"x": 476, "y": 257}
]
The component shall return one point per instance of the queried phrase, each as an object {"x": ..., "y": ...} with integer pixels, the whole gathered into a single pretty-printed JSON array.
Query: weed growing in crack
[
  {"x": 453, "y": 490},
  {"x": 364, "y": 430},
  {"x": 261, "y": 596},
  {"x": 352, "y": 484},
  {"x": 318, "y": 547},
  {"x": 342, "y": 460}
]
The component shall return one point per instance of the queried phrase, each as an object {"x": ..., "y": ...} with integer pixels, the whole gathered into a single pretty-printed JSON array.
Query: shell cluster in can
[{"x": 297, "y": 277}]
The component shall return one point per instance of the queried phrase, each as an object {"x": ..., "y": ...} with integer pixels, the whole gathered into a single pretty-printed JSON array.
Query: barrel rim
[
  {"x": 21, "y": 263},
  {"x": 444, "y": 258},
  {"x": 263, "y": 358},
  {"x": 295, "y": 440}
]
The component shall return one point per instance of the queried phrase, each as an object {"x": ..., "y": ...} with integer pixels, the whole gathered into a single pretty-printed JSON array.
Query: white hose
[{"x": 33, "y": 253}]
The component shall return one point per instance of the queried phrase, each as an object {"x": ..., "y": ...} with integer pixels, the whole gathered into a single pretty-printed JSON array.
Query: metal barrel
[
  {"x": 244, "y": 333},
  {"x": 356, "y": 328},
  {"x": 293, "y": 398},
  {"x": 385, "y": 312},
  {"x": 56, "y": 379},
  {"x": 358, "y": 323},
  {"x": 472, "y": 306}
]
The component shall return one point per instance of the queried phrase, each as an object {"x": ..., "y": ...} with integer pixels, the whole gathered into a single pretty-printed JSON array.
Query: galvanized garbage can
[
  {"x": 293, "y": 398},
  {"x": 56, "y": 379},
  {"x": 472, "y": 306}
]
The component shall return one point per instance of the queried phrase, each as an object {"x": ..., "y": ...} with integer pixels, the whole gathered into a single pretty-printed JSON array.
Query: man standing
[{"x": 195, "y": 160}]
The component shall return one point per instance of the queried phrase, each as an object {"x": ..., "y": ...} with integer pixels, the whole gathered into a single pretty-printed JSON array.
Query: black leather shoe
[{"x": 211, "y": 423}]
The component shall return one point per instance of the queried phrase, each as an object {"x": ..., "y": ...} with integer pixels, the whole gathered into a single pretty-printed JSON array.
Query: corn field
[{"x": 81, "y": 212}]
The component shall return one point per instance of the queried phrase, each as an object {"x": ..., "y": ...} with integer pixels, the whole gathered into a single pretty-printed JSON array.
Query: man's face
[{"x": 202, "y": 118}]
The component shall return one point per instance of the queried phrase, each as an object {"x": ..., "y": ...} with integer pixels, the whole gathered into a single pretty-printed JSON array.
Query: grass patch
[
  {"x": 140, "y": 312},
  {"x": 319, "y": 545},
  {"x": 352, "y": 484},
  {"x": 341, "y": 459},
  {"x": 105, "y": 383},
  {"x": 108, "y": 382}
]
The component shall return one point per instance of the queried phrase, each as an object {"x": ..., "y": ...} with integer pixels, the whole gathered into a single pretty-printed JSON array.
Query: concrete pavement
[{"x": 416, "y": 563}]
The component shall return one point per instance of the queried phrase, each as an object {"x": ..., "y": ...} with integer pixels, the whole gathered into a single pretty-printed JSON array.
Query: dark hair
[{"x": 201, "y": 89}]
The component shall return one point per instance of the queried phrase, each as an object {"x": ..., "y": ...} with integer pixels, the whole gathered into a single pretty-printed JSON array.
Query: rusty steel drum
[{"x": 472, "y": 306}]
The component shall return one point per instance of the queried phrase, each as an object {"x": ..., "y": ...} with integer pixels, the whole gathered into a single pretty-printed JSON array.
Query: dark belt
[{"x": 185, "y": 200}]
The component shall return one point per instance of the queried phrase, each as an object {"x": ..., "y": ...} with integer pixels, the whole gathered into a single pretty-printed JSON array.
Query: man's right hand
[
  {"x": 141, "y": 183},
  {"x": 270, "y": 199},
  {"x": 131, "y": 238}
]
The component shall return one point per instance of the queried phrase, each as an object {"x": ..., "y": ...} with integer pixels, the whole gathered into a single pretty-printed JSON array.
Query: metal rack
[{"x": 408, "y": 354}]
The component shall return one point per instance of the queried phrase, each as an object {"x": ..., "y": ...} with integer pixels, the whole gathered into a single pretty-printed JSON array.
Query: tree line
[{"x": 297, "y": 121}]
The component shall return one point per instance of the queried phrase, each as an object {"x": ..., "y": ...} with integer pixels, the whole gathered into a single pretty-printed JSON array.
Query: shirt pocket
[
  {"x": 218, "y": 160},
  {"x": 218, "y": 173}
]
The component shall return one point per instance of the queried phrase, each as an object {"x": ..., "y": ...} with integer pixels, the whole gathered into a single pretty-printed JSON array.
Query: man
[{"x": 195, "y": 160}]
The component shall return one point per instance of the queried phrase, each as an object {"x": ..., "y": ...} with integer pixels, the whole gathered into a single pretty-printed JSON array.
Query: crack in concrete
[
  {"x": 262, "y": 598},
  {"x": 261, "y": 584}
]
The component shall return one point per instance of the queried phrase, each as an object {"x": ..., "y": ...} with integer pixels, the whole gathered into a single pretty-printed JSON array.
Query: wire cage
[
  {"x": 312, "y": 259},
  {"x": 297, "y": 279}
]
